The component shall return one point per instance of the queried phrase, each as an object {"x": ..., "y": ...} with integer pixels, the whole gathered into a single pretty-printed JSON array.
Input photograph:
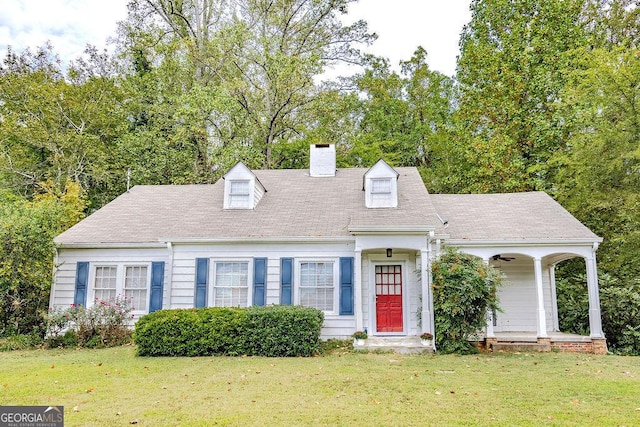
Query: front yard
[{"x": 112, "y": 387}]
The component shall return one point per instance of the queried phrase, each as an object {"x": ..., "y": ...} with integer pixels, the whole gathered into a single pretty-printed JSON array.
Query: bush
[
  {"x": 105, "y": 324},
  {"x": 619, "y": 306},
  {"x": 20, "y": 342},
  {"x": 464, "y": 291},
  {"x": 274, "y": 331}
]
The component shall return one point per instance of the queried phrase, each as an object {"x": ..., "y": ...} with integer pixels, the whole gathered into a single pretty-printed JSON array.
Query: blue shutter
[
  {"x": 202, "y": 276},
  {"x": 346, "y": 286},
  {"x": 157, "y": 280},
  {"x": 259, "y": 280},
  {"x": 286, "y": 281},
  {"x": 82, "y": 278}
]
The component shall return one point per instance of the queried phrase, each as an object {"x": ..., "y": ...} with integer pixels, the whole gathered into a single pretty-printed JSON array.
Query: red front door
[{"x": 389, "y": 298}]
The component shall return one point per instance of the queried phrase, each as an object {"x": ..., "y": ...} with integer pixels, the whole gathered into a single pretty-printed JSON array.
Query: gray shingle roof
[
  {"x": 299, "y": 206},
  {"x": 508, "y": 217},
  {"x": 295, "y": 205}
]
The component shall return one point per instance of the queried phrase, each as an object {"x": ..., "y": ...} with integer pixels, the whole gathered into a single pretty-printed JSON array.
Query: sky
[{"x": 401, "y": 25}]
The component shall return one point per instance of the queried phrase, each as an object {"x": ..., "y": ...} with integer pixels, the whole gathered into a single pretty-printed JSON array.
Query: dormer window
[
  {"x": 239, "y": 194},
  {"x": 381, "y": 186},
  {"x": 242, "y": 189},
  {"x": 381, "y": 190}
]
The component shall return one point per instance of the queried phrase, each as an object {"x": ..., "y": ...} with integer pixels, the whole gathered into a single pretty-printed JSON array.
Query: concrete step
[{"x": 397, "y": 344}]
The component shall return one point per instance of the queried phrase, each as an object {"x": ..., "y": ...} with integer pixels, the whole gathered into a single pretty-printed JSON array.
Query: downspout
[{"x": 54, "y": 270}]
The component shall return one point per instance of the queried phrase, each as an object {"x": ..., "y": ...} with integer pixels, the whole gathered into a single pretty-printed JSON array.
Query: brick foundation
[{"x": 595, "y": 346}]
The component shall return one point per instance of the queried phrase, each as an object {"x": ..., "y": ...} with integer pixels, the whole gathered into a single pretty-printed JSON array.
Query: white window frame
[
  {"x": 381, "y": 196},
  {"x": 212, "y": 274},
  {"x": 121, "y": 269},
  {"x": 336, "y": 280},
  {"x": 237, "y": 204}
]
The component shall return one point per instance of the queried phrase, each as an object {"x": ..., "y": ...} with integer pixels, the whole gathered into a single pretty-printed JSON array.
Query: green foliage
[
  {"x": 619, "y": 305},
  {"x": 104, "y": 324},
  {"x": 464, "y": 291},
  {"x": 27, "y": 229},
  {"x": 513, "y": 64},
  {"x": 274, "y": 331},
  {"x": 20, "y": 342}
]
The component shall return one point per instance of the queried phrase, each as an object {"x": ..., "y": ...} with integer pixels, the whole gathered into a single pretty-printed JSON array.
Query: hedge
[{"x": 275, "y": 331}]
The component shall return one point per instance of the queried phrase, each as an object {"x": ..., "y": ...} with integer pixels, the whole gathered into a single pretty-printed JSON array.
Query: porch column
[
  {"x": 541, "y": 315},
  {"x": 595, "y": 320},
  {"x": 357, "y": 297},
  {"x": 489, "y": 333},
  {"x": 554, "y": 297},
  {"x": 428, "y": 321}
]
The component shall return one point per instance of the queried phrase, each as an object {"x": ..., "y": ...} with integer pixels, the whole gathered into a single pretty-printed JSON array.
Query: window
[
  {"x": 128, "y": 281},
  {"x": 135, "y": 286},
  {"x": 380, "y": 189},
  {"x": 239, "y": 194},
  {"x": 231, "y": 287},
  {"x": 105, "y": 283},
  {"x": 317, "y": 285}
]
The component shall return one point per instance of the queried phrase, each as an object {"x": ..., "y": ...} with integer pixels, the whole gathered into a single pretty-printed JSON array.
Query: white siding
[
  {"x": 518, "y": 298},
  {"x": 183, "y": 278},
  {"x": 64, "y": 275}
]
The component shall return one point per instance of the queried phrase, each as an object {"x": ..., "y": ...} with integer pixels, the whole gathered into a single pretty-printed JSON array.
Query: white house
[{"x": 354, "y": 243}]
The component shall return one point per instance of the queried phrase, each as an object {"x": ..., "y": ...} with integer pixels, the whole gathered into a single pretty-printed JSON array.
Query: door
[{"x": 389, "y": 298}]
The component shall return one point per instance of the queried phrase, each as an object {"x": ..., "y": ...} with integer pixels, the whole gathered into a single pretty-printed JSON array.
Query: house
[{"x": 355, "y": 243}]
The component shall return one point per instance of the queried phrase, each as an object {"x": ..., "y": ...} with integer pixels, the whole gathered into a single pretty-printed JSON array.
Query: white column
[
  {"x": 428, "y": 320},
  {"x": 489, "y": 333},
  {"x": 595, "y": 321},
  {"x": 554, "y": 297},
  {"x": 357, "y": 283},
  {"x": 541, "y": 316}
]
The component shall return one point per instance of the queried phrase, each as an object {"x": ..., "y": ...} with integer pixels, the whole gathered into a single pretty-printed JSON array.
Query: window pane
[
  {"x": 231, "y": 284},
  {"x": 380, "y": 186},
  {"x": 105, "y": 283},
  {"x": 316, "y": 285},
  {"x": 239, "y": 187},
  {"x": 135, "y": 286}
]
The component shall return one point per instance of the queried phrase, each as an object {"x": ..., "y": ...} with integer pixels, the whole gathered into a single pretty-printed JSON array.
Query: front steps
[{"x": 396, "y": 344}]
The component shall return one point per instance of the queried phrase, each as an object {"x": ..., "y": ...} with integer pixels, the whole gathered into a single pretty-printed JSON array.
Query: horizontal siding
[
  {"x": 341, "y": 327},
  {"x": 518, "y": 297},
  {"x": 65, "y": 271}
]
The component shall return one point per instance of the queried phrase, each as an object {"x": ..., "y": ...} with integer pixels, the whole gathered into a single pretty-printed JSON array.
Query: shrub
[
  {"x": 619, "y": 305},
  {"x": 104, "y": 324},
  {"x": 464, "y": 291},
  {"x": 257, "y": 331},
  {"x": 20, "y": 342}
]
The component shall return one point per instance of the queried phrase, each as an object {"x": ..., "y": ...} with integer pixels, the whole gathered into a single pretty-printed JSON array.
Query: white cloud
[
  {"x": 402, "y": 25},
  {"x": 69, "y": 24}
]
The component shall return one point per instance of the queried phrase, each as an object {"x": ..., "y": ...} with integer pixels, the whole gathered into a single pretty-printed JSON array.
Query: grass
[{"x": 112, "y": 387}]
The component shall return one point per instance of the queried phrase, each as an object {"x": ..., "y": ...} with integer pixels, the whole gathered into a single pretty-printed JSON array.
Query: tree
[
  {"x": 404, "y": 117},
  {"x": 57, "y": 125},
  {"x": 599, "y": 173},
  {"x": 513, "y": 64},
  {"x": 27, "y": 229},
  {"x": 261, "y": 55}
]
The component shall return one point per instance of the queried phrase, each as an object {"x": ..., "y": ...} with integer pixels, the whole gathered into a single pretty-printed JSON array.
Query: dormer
[
  {"x": 242, "y": 189},
  {"x": 381, "y": 186}
]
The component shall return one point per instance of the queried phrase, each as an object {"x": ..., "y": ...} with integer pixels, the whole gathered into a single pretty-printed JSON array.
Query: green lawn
[{"x": 113, "y": 387}]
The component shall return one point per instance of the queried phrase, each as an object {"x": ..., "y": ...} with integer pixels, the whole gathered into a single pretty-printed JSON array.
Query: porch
[
  {"x": 501, "y": 342},
  {"x": 529, "y": 341}
]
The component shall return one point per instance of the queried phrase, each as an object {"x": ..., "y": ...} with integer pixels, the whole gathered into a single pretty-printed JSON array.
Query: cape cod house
[{"x": 354, "y": 243}]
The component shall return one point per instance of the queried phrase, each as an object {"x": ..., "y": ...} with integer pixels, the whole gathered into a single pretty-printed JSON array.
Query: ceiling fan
[{"x": 502, "y": 258}]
